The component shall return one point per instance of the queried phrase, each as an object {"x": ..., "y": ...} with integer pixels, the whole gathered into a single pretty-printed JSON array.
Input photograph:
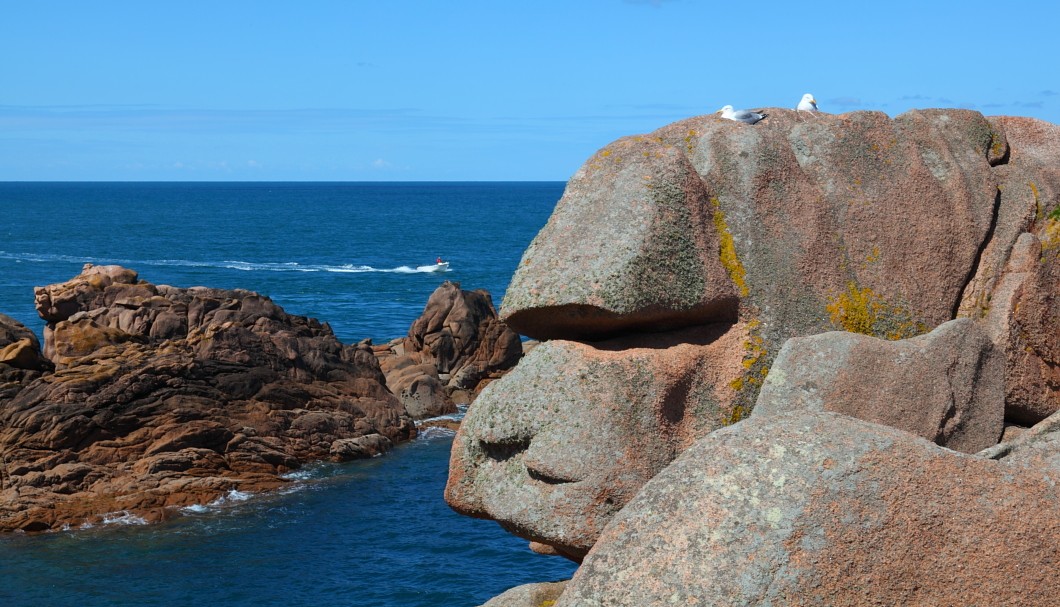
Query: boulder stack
[{"x": 916, "y": 263}]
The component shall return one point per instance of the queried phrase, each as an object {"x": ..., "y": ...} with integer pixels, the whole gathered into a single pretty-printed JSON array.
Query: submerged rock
[{"x": 168, "y": 397}]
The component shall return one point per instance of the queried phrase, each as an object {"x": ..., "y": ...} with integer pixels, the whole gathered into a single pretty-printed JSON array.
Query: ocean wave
[
  {"x": 233, "y": 496},
  {"x": 243, "y": 266},
  {"x": 123, "y": 517}
]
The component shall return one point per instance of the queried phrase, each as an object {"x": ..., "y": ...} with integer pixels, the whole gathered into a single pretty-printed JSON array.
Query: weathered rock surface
[
  {"x": 672, "y": 227},
  {"x": 553, "y": 459},
  {"x": 823, "y": 509},
  {"x": 946, "y": 386},
  {"x": 457, "y": 344},
  {"x": 791, "y": 227},
  {"x": 528, "y": 595},
  {"x": 19, "y": 347},
  {"x": 168, "y": 397}
]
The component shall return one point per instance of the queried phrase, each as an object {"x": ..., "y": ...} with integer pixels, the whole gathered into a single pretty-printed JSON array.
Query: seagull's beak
[{"x": 719, "y": 111}]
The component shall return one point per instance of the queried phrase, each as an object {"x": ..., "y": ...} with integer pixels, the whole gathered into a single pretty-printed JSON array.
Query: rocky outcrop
[
  {"x": 790, "y": 228},
  {"x": 451, "y": 352},
  {"x": 167, "y": 397},
  {"x": 823, "y": 509},
  {"x": 553, "y": 459},
  {"x": 945, "y": 386}
]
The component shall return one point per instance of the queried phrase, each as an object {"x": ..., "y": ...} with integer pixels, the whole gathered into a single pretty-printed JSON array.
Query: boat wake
[{"x": 243, "y": 266}]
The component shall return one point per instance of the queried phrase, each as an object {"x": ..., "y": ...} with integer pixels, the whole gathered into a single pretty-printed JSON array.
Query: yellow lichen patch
[
  {"x": 1051, "y": 235},
  {"x": 727, "y": 250},
  {"x": 737, "y": 414},
  {"x": 863, "y": 311},
  {"x": 1037, "y": 201},
  {"x": 874, "y": 256},
  {"x": 997, "y": 146}
]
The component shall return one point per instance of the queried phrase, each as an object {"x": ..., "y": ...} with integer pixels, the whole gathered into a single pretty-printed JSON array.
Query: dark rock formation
[
  {"x": 791, "y": 227},
  {"x": 456, "y": 345},
  {"x": 168, "y": 397},
  {"x": 945, "y": 386},
  {"x": 823, "y": 509}
]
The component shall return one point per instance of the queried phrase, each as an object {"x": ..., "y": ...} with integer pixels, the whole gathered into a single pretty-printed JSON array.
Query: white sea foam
[
  {"x": 123, "y": 517},
  {"x": 195, "y": 509},
  {"x": 435, "y": 432},
  {"x": 302, "y": 474},
  {"x": 233, "y": 496},
  {"x": 244, "y": 266}
]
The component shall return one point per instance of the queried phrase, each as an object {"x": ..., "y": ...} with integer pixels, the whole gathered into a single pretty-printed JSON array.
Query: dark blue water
[
  {"x": 363, "y": 533},
  {"x": 344, "y": 253}
]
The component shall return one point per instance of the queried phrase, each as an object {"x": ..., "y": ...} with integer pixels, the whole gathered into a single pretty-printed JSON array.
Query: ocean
[{"x": 369, "y": 533}]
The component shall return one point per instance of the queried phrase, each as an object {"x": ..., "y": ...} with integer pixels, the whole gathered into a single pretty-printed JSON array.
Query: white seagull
[
  {"x": 808, "y": 104},
  {"x": 746, "y": 116}
]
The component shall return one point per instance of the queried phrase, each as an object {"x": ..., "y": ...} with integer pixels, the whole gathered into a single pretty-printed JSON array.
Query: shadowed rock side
[
  {"x": 167, "y": 397},
  {"x": 823, "y": 509},
  {"x": 792, "y": 227},
  {"x": 946, "y": 386},
  {"x": 451, "y": 352}
]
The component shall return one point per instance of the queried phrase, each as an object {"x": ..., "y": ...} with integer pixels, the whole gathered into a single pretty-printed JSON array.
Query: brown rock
[
  {"x": 452, "y": 350},
  {"x": 822, "y": 509},
  {"x": 459, "y": 331},
  {"x": 946, "y": 386},
  {"x": 167, "y": 397}
]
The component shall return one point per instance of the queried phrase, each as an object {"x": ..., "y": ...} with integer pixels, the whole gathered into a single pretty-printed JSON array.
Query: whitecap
[{"x": 123, "y": 517}]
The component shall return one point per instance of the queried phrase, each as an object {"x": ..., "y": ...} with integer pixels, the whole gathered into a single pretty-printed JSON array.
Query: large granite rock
[
  {"x": 822, "y": 509},
  {"x": 672, "y": 227},
  {"x": 791, "y": 227},
  {"x": 946, "y": 386},
  {"x": 553, "y": 459},
  {"x": 168, "y": 397}
]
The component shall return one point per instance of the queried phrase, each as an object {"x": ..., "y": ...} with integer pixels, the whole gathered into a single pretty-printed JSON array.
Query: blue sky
[{"x": 469, "y": 90}]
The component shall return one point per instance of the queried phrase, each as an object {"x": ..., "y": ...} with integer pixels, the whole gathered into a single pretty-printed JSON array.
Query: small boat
[{"x": 438, "y": 267}]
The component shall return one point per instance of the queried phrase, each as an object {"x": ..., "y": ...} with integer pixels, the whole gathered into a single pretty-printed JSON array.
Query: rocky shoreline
[
  {"x": 810, "y": 361},
  {"x": 147, "y": 398}
]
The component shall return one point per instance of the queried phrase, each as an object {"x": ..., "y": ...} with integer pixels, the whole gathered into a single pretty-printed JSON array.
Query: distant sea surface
[{"x": 351, "y": 254}]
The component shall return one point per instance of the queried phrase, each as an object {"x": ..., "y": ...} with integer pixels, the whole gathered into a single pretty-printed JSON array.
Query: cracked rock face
[
  {"x": 165, "y": 397},
  {"x": 791, "y": 227}
]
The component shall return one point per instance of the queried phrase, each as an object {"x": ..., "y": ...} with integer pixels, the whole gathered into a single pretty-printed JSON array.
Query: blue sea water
[{"x": 364, "y": 533}]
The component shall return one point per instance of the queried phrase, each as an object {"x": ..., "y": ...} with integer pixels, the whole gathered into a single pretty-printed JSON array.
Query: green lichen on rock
[{"x": 668, "y": 273}]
